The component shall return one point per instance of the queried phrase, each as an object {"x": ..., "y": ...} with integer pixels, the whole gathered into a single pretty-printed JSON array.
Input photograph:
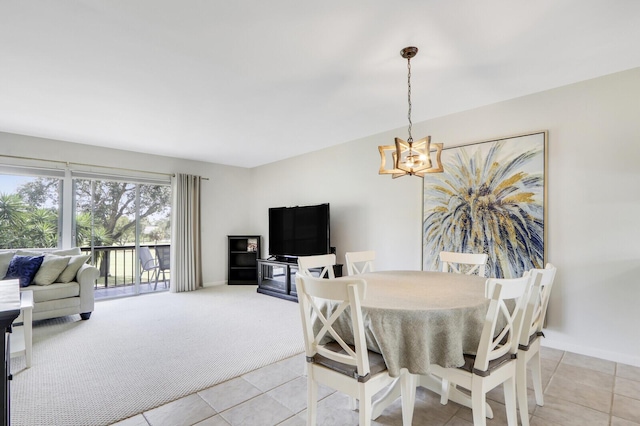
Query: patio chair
[
  {"x": 163, "y": 254},
  {"x": 149, "y": 265}
]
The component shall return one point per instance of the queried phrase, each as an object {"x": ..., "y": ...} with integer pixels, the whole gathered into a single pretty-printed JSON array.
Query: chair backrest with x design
[
  {"x": 467, "y": 263},
  {"x": 494, "y": 345},
  {"x": 360, "y": 262},
  {"x": 324, "y": 262},
  {"x": 536, "y": 313},
  {"x": 346, "y": 294}
]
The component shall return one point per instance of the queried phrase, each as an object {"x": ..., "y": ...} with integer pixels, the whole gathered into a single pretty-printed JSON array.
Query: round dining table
[{"x": 418, "y": 318}]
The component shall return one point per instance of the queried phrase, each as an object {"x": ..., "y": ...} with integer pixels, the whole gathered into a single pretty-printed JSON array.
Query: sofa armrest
[
  {"x": 86, "y": 278},
  {"x": 87, "y": 274}
]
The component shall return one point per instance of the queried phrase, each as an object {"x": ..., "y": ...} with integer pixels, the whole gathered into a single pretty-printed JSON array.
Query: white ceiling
[{"x": 249, "y": 82}]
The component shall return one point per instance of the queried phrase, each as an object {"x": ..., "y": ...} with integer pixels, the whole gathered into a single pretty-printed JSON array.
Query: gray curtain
[{"x": 186, "y": 257}]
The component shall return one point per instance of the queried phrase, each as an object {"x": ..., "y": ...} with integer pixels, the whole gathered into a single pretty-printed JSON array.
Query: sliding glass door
[{"x": 124, "y": 224}]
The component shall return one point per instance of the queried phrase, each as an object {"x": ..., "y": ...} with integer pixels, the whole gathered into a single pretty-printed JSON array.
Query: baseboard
[
  {"x": 555, "y": 341},
  {"x": 214, "y": 283}
]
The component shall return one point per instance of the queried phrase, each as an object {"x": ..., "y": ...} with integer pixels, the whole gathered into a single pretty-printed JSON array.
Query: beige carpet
[{"x": 138, "y": 353}]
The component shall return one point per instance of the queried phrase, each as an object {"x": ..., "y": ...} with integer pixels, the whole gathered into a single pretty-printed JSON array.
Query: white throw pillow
[
  {"x": 68, "y": 252},
  {"x": 5, "y": 260},
  {"x": 21, "y": 252},
  {"x": 69, "y": 273},
  {"x": 51, "y": 268}
]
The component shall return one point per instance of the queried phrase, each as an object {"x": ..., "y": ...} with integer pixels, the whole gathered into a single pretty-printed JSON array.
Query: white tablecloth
[{"x": 416, "y": 318}]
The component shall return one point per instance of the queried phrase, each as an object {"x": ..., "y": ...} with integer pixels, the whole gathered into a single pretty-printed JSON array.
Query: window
[
  {"x": 30, "y": 213},
  {"x": 107, "y": 216}
]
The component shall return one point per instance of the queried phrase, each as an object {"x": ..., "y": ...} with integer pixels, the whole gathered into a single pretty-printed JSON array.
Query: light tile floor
[{"x": 578, "y": 390}]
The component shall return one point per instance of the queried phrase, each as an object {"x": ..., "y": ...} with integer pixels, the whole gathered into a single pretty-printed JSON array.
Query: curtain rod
[{"x": 67, "y": 163}]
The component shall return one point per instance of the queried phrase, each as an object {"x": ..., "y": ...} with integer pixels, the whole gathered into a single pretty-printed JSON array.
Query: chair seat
[
  {"x": 376, "y": 363},
  {"x": 470, "y": 360}
]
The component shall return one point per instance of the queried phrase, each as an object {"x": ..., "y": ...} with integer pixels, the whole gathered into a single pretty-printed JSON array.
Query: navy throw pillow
[{"x": 24, "y": 268}]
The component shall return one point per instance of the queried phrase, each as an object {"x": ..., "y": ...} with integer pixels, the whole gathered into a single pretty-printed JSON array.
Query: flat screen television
[{"x": 299, "y": 231}]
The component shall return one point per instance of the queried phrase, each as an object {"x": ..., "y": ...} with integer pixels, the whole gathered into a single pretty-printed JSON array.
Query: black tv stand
[
  {"x": 278, "y": 277},
  {"x": 285, "y": 259}
]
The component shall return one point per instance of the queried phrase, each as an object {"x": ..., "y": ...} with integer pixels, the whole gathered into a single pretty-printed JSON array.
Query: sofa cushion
[
  {"x": 69, "y": 273},
  {"x": 24, "y": 268},
  {"x": 52, "y": 266},
  {"x": 5, "y": 260},
  {"x": 55, "y": 291}
]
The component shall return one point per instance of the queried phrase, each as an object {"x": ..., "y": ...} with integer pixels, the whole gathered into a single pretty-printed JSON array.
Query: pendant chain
[{"x": 409, "y": 98}]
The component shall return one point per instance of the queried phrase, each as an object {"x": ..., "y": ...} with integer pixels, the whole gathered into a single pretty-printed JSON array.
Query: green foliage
[
  {"x": 12, "y": 210},
  {"x": 26, "y": 225},
  {"x": 41, "y": 192},
  {"x": 114, "y": 208},
  {"x": 29, "y": 217}
]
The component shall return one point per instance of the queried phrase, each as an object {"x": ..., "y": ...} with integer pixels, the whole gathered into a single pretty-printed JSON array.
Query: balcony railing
[{"x": 119, "y": 266}]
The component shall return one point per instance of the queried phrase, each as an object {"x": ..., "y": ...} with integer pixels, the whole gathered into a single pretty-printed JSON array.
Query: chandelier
[{"x": 410, "y": 158}]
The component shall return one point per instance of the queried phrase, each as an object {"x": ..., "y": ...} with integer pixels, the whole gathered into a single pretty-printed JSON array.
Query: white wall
[
  {"x": 593, "y": 211},
  {"x": 224, "y": 206},
  {"x": 593, "y": 204}
]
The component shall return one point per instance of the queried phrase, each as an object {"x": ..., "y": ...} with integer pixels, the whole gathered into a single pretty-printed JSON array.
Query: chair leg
[
  {"x": 521, "y": 389},
  {"x": 28, "y": 335},
  {"x": 364, "y": 405},
  {"x": 510, "y": 402},
  {"x": 478, "y": 403},
  {"x": 408, "y": 383},
  {"x": 444, "y": 393},
  {"x": 353, "y": 403},
  {"x": 312, "y": 399},
  {"x": 536, "y": 376}
]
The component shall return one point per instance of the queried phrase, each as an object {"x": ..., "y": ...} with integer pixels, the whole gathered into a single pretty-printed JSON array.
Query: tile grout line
[
  {"x": 613, "y": 393},
  {"x": 610, "y": 413},
  {"x": 254, "y": 397}
]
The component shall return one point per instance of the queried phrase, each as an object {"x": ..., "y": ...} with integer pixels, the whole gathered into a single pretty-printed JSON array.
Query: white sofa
[{"x": 59, "y": 288}]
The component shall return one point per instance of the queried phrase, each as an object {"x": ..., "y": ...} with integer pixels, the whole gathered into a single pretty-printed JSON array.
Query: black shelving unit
[{"x": 244, "y": 252}]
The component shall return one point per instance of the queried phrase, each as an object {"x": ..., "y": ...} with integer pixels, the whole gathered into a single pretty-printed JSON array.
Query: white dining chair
[
  {"x": 495, "y": 360},
  {"x": 467, "y": 263},
  {"x": 324, "y": 262},
  {"x": 360, "y": 262},
  {"x": 529, "y": 345},
  {"x": 348, "y": 367},
  {"x": 461, "y": 263}
]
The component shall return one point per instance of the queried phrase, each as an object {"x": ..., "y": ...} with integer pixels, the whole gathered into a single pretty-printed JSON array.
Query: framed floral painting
[{"x": 491, "y": 198}]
